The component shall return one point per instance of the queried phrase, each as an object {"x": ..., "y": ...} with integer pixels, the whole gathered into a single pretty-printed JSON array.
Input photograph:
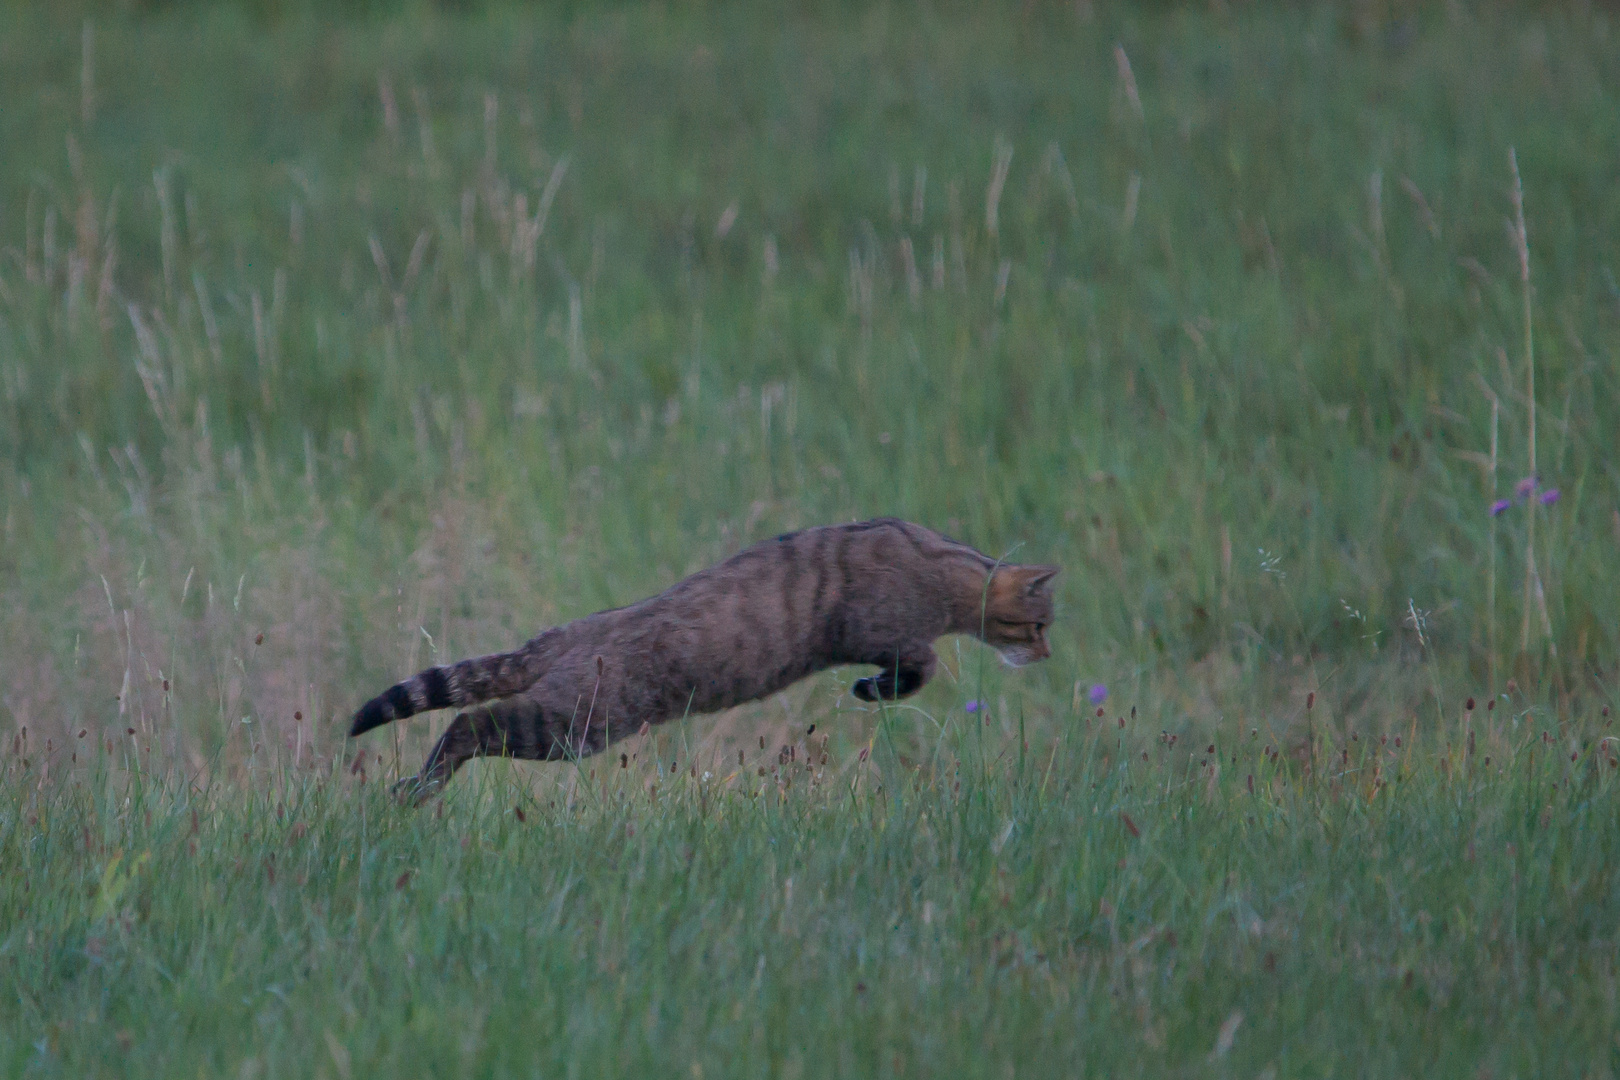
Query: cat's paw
[{"x": 865, "y": 689}]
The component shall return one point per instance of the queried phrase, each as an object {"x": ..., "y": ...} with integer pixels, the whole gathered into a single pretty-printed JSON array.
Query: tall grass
[
  {"x": 328, "y": 351},
  {"x": 401, "y": 342},
  {"x": 1110, "y": 902}
]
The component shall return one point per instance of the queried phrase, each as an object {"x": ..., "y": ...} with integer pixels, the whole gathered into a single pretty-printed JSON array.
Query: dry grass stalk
[
  {"x": 998, "y": 181},
  {"x": 1533, "y": 593},
  {"x": 1490, "y": 584},
  {"x": 1127, "y": 79}
]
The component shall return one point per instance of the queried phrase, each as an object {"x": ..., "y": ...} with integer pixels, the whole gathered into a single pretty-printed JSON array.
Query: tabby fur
[{"x": 873, "y": 592}]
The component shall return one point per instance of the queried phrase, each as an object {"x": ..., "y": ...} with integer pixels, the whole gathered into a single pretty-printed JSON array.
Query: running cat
[{"x": 872, "y": 592}]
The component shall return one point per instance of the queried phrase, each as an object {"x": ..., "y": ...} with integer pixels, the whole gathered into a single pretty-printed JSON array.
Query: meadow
[{"x": 337, "y": 345}]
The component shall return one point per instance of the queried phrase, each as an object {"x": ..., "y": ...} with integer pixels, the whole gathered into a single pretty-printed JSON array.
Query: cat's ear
[{"x": 1037, "y": 581}]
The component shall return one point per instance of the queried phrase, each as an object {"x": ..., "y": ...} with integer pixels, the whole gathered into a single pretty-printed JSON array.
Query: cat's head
[{"x": 1017, "y": 611}]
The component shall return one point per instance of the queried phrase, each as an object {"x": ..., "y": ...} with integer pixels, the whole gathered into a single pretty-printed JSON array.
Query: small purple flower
[
  {"x": 974, "y": 706},
  {"x": 1097, "y": 694},
  {"x": 1526, "y": 487},
  {"x": 1500, "y": 505},
  {"x": 1549, "y": 496}
]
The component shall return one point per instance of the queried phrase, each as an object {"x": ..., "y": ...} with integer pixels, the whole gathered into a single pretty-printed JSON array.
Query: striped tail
[{"x": 467, "y": 683}]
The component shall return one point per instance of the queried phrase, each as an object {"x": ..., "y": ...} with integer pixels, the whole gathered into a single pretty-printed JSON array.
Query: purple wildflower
[
  {"x": 1549, "y": 496},
  {"x": 1500, "y": 505},
  {"x": 974, "y": 706},
  {"x": 1526, "y": 487},
  {"x": 1097, "y": 694}
]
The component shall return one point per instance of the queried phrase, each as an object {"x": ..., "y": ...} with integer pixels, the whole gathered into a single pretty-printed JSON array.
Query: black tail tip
[{"x": 374, "y": 713}]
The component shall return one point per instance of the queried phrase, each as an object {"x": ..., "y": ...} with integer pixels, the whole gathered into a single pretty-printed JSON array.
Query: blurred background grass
[
  {"x": 395, "y": 338},
  {"x": 337, "y": 343}
]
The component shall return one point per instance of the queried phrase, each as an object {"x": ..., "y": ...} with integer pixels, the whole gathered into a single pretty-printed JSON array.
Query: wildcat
[{"x": 872, "y": 592}]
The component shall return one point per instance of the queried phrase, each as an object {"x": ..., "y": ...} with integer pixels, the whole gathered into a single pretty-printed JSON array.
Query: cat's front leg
[{"x": 897, "y": 680}]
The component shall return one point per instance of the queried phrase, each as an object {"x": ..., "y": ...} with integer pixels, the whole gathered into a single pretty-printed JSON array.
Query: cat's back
[
  {"x": 787, "y": 588},
  {"x": 779, "y": 610},
  {"x": 799, "y": 578},
  {"x": 825, "y": 559}
]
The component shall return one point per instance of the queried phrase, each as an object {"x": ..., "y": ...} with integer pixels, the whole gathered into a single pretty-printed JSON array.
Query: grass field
[{"x": 330, "y": 350}]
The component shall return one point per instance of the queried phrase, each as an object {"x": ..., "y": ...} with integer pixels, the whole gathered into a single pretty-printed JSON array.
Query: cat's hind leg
[{"x": 512, "y": 728}]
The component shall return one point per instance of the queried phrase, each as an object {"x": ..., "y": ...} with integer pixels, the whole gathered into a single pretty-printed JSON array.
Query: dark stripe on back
[
  {"x": 814, "y": 620},
  {"x": 834, "y": 628},
  {"x": 792, "y": 571},
  {"x": 916, "y": 543},
  {"x": 819, "y": 564}
]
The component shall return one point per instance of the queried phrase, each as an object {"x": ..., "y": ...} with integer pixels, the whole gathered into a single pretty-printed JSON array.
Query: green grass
[
  {"x": 297, "y": 396},
  {"x": 985, "y": 912}
]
